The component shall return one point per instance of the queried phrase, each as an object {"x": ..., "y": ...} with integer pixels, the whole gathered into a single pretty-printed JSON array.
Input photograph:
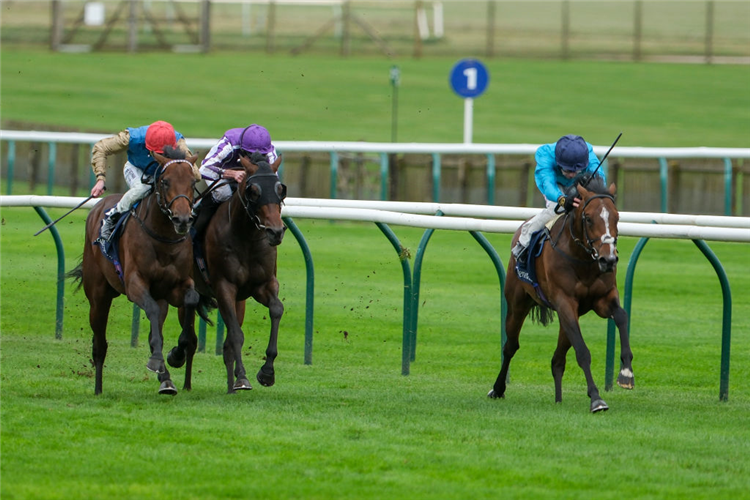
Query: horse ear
[
  {"x": 249, "y": 166},
  {"x": 192, "y": 159},
  {"x": 160, "y": 158},
  {"x": 275, "y": 165},
  {"x": 612, "y": 189},
  {"x": 582, "y": 191}
]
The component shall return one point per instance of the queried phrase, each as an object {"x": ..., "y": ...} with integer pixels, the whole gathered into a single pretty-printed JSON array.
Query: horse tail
[
  {"x": 205, "y": 305},
  {"x": 542, "y": 314},
  {"x": 76, "y": 275}
]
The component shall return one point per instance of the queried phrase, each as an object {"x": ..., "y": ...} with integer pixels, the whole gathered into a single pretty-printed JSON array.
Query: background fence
[
  {"x": 712, "y": 181},
  {"x": 704, "y": 30}
]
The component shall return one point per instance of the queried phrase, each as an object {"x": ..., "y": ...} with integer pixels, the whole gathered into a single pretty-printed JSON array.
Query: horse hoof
[
  {"x": 242, "y": 384},
  {"x": 598, "y": 405},
  {"x": 156, "y": 366},
  {"x": 625, "y": 382},
  {"x": 265, "y": 380},
  {"x": 175, "y": 361},
  {"x": 493, "y": 395},
  {"x": 168, "y": 388}
]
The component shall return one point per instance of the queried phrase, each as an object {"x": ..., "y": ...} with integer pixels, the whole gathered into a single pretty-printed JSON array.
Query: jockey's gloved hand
[{"x": 568, "y": 205}]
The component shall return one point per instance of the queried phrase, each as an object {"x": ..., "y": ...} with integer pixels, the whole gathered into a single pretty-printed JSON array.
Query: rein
[{"x": 588, "y": 246}]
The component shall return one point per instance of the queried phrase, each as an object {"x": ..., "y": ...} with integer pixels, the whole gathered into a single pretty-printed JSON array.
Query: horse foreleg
[
  {"x": 558, "y": 362},
  {"x": 236, "y": 376},
  {"x": 625, "y": 379},
  {"x": 186, "y": 345},
  {"x": 569, "y": 323},
  {"x": 266, "y": 375},
  {"x": 156, "y": 312}
]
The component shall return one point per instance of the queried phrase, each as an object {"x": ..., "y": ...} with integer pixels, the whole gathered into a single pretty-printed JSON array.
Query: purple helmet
[
  {"x": 256, "y": 139},
  {"x": 572, "y": 153}
]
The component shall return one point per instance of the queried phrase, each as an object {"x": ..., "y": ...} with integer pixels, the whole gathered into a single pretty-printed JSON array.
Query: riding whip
[
  {"x": 58, "y": 220},
  {"x": 602, "y": 160}
]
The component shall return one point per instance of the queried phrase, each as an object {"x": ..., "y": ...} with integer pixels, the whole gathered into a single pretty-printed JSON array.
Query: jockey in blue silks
[{"x": 557, "y": 165}]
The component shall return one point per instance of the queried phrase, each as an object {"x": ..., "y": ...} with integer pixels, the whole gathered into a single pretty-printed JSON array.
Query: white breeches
[
  {"x": 537, "y": 222},
  {"x": 137, "y": 190}
]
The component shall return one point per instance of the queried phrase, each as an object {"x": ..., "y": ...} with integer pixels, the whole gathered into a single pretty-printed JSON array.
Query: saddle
[{"x": 109, "y": 247}]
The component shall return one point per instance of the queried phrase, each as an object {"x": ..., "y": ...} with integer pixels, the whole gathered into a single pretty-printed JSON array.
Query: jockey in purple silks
[
  {"x": 557, "y": 165},
  {"x": 218, "y": 164}
]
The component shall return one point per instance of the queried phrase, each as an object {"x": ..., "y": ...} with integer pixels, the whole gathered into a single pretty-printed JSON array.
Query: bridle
[
  {"x": 165, "y": 207},
  {"x": 588, "y": 246},
  {"x": 251, "y": 207}
]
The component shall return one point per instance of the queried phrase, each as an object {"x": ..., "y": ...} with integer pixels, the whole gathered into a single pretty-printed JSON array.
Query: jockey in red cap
[{"x": 140, "y": 143}]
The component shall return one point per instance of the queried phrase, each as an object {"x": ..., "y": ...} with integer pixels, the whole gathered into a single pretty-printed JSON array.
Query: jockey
[
  {"x": 139, "y": 169},
  {"x": 218, "y": 164},
  {"x": 557, "y": 166}
]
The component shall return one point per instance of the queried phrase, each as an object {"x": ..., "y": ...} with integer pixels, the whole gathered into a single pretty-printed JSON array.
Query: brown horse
[
  {"x": 156, "y": 259},
  {"x": 240, "y": 253},
  {"x": 576, "y": 274}
]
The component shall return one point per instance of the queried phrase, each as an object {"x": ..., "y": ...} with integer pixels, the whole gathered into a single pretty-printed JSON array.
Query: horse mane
[
  {"x": 595, "y": 185},
  {"x": 174, "y": 153}
]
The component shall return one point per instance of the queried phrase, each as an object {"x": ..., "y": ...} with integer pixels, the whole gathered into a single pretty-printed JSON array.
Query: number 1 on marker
[{"x": 471, "y": 78}]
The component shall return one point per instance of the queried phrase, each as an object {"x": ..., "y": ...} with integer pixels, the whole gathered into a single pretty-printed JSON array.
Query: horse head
[
  {"x": 261, "y": 194},
  {"x": 174, "y": 184},
  {"x": 598, "y": 219}
]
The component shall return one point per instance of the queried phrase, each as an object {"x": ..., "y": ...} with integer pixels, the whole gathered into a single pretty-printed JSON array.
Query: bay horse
[
  {"x": 239, "y": 247},
  {"x": 576, "y": 273},
  {"x": 156, "y": 258}
]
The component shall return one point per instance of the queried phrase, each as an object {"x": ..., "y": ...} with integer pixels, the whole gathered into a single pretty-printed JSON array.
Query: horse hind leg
[
  {"x": 558, "y": 363},
  {"x": 98, "y": 315},
  {"x": 513, "y": 323}
]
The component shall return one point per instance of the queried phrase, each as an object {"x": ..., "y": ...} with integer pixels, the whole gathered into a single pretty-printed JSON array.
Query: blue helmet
[{"x": 572, "y": 153}]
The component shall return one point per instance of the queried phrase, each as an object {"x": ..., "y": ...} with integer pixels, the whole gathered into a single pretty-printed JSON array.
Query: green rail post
[
  {"x": 52, "y": 157},
  {"x": 664, "y": 181},
  {"x": 202, "y": 335},
  {"x": 482, "y": 240},
  {"x": 416, "y": 282},
  {"x": 490, "y": 179},
  {"x": 726, "y": 325},
  {"x": 383, "y": 176},
  {"x": 219, "y": 334},
  {"x": 60, "y": 304},
  {"x": 11, "y": 166},
  {"x": 727, "y": 186},
  {"x": 436, "y": 177},
  {"x": 407, "y": 334},
  {"x": 310, "y": 288},
  {"x": 135, "y": 326},
  {"x": 334, "y": 173}
]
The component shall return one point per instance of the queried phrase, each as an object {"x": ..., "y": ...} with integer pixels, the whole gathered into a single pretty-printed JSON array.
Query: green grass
[
  {"x": 326, "y": 98},
  {"x": 349, "y": 425}
]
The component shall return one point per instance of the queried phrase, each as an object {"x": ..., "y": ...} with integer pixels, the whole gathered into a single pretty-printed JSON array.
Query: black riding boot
[{"x": 205, "y": 210}]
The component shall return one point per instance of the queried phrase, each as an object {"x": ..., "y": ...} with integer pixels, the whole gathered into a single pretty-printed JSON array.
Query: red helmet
[{"x": 158, "y": 135}]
